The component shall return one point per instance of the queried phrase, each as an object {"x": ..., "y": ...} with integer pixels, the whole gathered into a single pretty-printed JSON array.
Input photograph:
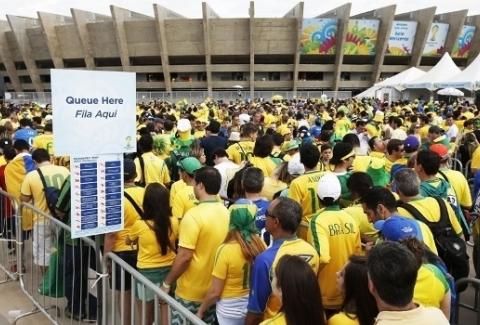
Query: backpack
[
  {"x": 51, "y": 194},
  {"x": 451, "y": 248}
]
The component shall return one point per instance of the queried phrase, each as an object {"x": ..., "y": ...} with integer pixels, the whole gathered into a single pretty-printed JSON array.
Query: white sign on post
[
  {"x": 93, "y": 112},
  {"x": 94, "y": 123}
]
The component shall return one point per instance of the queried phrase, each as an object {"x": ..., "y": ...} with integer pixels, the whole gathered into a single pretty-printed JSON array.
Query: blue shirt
[{"x": 26, "y": 134}]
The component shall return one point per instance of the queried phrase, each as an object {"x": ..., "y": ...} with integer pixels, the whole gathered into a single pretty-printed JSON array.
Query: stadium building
[{"x": 168, "y": 52}]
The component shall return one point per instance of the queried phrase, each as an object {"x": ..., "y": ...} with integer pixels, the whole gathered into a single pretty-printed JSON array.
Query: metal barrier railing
[
  {"x": 54, "y": 273},
  {"x": 60, "y": 276},
  {"x": 474, "y": 307},
  {"x": 467, "y": 169},
  {"x": 456, "y": 164},
  {"x": 9, "y": 263},
  {"x": 141, "y": 284}
]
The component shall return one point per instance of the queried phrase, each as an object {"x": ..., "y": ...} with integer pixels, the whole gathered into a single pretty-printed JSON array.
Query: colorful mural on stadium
[
  {"x": 464, "y": 42},
  {"x": 361, "y": 37},
  {"x": 319, "y": 36}
]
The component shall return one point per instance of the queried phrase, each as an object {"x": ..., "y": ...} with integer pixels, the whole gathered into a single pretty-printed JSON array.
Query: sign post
[{"x": 94, "y": 124}]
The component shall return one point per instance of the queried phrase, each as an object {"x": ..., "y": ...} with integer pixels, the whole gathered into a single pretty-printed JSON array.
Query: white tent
[
  {"x": 469, "y": 78},
  {"x": 395, "y": 81},
  {"x": 442, "y": 71}
]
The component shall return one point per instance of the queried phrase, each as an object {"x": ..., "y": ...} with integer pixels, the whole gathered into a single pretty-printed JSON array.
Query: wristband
[{"x": 166, "y": 286}]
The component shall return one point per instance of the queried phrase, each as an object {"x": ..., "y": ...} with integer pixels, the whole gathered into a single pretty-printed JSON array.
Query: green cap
[
  {"x": 189, "y": 165},
  {"x": 292, "y": 144}
]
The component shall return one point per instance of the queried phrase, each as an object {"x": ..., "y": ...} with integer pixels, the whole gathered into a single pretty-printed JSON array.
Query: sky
[{"x": 227, "y": 8}]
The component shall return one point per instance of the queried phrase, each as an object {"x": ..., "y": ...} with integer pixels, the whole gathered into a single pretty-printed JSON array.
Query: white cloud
[{"x": 227, "y": 8}]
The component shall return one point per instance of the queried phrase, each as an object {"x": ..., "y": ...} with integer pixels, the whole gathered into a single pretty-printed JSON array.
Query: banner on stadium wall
[
  {"x": 402, "y": 36},
  {"x": 96, "y": 195},
  {"x": 319, "y": 36},
  {"x": 464, "y": 42},
  {"x": 362, "y": 37},
  {"x": 93, "y": 112},
  {"x": 435, "y": 45}
]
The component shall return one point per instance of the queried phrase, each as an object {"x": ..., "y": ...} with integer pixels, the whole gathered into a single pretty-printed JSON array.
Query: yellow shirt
[
  {"x": 232, "y": 267},
  {"x": 431, "y": 286},
  {"x": 266, "y": 165},
  {"x": 361, "y": 163},
  {"x": 183, "y": 201},
  {"x": 130, "y": 217},
  {"x": 430, "y": 209},
  {"x": 343, "y": 319},
  {"x": 175, "y": 188},
  {"x": 278, "y": 319},
  {"x": 2, "y": 160},
  {"x": 476, "y": 159},
  {"x": 423, "y": 132},
  {"x": 303, "y": 189},
  {"x": 335, "y": 236},
  {"x": 361, "y": 219},
  {"x": 296, "y": 247},
  {"x": 199, "y": 134},
  {"x": 32, "y": 186},
  {"x": 44, "y": 141},
  {"x": 460, "y": 186},
  {"x": 272, "y": 186},
  {"x": 149, "y": 251},
  {"x": 418, "y": 316},
  {"x": 155, "y": 169},
  {"x": 197, "y": 233},
  {"x": 237, "y": 155}
]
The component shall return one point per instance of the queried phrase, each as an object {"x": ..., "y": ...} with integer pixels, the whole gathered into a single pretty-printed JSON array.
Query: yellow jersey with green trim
[
  {"x": 430, "y": 209},
  {"x": 431, "y": 286},
  {"x": 183, "y": 201},
  {"x": 303, "y": 189},
  {"x": 231, "y": 266},
  {"x": 240, "y": 151},
  {"x": 460, "y": 186},
  {"x": 44, "y": 141},
  {"x": 149, "y": 251},
  {"x": 202, "y": 230},
  {"x": 266, "y": 165},
  {"x": 335, "y": 236},
  {"x": 155, "y": 169}
]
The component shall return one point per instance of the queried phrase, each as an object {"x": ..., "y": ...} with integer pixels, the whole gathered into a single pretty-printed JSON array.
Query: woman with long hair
[
  {"x": 231, "y": 271},
  {"x": 297, "y": 286},
  {"x": 155, "y": 233},
  {"x": 359, "y": 306}
]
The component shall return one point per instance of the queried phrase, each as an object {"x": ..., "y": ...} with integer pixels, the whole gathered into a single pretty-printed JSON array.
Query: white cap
[
  {"x": 184, "y": 125},
  {"x": 329, "y": 186},
  {"x": 295, "y": 167},
  {"x": 244, "y": 118}
]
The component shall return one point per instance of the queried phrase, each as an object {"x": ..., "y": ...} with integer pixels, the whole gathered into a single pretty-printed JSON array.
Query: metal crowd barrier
[
  {"x": 138, "y": 310},
  {"x": 473, "y": 306},
  {"x": 456, "y": 164},
  {"x": 8, "y": 240},
  {"x": 56, "y": 274}
]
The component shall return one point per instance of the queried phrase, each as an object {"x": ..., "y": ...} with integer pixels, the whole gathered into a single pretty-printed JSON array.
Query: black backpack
[
  {"x": 51, "y": 194},
  {"x": 451, "y": 248}
]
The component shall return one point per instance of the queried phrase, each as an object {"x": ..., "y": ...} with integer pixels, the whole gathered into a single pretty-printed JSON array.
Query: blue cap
[{"x": 397, "y": 228}]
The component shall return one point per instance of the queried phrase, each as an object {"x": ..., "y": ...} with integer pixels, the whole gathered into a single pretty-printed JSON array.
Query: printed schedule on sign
[{"x": 96, "y": 195}]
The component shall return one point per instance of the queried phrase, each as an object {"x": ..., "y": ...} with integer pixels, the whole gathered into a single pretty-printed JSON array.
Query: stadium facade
[{"x": 169, "y": 52}]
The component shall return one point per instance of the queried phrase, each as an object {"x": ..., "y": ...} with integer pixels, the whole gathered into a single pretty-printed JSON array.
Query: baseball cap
[
  {"x": 184, "y": 125},
  {"x": 411, "y": 144},
  {"x": 292, "y": 144},
  {"x": 329, "y": 186},
  {"x": 295, "y": 167},
  {"x": 129, "y": 169},
  {"x": 397, "y": 228},
  {"x": 440, "y": 150},
  {"x": 189, "y": 165}
]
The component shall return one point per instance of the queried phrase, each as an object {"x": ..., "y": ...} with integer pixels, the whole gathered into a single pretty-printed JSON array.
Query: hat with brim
[
  {"x": 189, "y": 165},
  {"x": 397, "y": 228},
  {"x": 329, "y": 187}
]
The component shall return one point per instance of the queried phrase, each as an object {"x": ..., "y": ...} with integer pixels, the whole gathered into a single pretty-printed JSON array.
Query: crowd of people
[{"x": 290, "y": 212}]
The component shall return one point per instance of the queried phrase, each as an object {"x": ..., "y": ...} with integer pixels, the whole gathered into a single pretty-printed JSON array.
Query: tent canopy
[
  {"x": 441, "y": 72},
  {"x": 468, "y": 78},
  {"x": 394, "y": 82}
]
